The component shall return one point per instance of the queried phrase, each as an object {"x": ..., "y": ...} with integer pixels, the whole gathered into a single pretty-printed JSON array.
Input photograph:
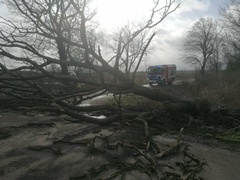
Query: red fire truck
[{"x": 161, "y": 74}]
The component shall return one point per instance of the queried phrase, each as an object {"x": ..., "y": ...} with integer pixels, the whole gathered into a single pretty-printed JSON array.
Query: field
[{"x": 221, "y": 89}]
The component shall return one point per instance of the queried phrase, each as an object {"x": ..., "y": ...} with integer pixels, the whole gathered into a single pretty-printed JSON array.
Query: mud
[{"x": 46, "y": 146}]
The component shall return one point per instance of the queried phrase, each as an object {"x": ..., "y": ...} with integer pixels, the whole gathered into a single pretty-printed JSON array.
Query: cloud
[
  {"x": 167, "y": 50},
  {"x": 168, "y": 42},
  {"x": 116, "y": 13},
  {"x": 172, "y": 31},
  {"x": 193, "y": 5},
  {"x": 3, "y": 9}
]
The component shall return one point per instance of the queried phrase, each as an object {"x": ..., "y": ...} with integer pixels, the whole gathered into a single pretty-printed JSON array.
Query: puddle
[
  {"x": 97, "y": 117},
  {"x": 92, "y": 101}
]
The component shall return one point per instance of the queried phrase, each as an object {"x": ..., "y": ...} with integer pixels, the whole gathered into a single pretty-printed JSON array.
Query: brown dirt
[{"x": 64, "y": 160}]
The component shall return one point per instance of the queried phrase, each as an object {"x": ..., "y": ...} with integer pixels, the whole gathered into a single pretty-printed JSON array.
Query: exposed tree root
[{"x": 150, "y": 141}]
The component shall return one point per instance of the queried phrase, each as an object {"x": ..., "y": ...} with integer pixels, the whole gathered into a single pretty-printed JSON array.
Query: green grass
[
  {"x": 234, "y": 138},
  {"x": 136, "y": 102}
]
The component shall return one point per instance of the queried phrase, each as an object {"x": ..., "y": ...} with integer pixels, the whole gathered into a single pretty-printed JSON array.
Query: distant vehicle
[{"x": 161, "y": 74}]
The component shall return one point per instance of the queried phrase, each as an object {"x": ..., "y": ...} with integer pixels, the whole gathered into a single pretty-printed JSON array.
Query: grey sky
[
  {"x": 167, "y": 43},
  {"x": 171, "y": 47}
]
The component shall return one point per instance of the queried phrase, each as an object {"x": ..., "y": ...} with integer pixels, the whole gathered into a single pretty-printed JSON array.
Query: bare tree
[
  {"x": 199, "y": 43},
  {"x": 216, "y": 60},
  {"x": 230, "y": 17},
  {"x": 61, "y": 33},
  {"x": 134, "y": 52}
]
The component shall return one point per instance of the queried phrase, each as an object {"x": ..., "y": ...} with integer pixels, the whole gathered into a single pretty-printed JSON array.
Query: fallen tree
[{"x": 59, "y": 64}]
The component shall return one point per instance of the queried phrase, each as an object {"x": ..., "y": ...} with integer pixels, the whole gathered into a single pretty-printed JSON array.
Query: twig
[
  {"x": 179, "y": 137},
  {"x": 149, "y": 159},
  {"x": 149, "y": 138}
]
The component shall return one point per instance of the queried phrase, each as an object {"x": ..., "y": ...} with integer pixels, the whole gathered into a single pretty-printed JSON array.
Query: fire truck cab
[{"x": 161, "y": 74}]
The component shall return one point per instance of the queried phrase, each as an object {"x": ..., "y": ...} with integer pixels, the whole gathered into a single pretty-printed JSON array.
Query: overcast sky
[{"x": 167, "y": 44}]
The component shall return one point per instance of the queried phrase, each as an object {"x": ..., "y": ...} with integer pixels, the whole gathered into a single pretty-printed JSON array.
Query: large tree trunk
[
  {"x": 71, "y": 33},
  {"x": 172, "y": 102}
]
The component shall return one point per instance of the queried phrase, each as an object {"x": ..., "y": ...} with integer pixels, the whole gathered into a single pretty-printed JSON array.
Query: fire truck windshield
[{"x": 155, "y": 70}]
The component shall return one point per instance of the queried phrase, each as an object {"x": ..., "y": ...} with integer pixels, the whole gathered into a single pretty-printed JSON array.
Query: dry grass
[{"x": 222, "y": 89}]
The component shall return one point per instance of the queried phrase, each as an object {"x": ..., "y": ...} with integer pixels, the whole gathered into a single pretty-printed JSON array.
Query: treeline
[{"x": 215, "y": 44}]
